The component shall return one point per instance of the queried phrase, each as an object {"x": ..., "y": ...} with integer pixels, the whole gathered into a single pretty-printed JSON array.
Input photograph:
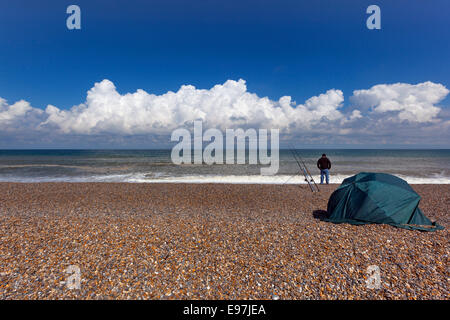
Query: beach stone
[{"x": 209, "y": 241}]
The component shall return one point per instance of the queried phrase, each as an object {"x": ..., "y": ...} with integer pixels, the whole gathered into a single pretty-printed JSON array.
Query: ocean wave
[
  {"x": 276, "y": 179},
  {"x": 226, "y": 179}
]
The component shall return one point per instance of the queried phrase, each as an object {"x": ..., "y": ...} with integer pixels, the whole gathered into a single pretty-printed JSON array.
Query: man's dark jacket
[{"x": 323, "y": 163}]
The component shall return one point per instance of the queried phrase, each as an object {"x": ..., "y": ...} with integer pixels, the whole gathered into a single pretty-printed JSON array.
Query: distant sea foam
[{"x": 231, "y": 179}]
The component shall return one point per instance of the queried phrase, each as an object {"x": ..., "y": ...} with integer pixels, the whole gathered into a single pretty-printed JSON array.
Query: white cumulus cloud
[
  {"x": 223, "y": 106},
  {"x": 386, "y": 113},
  {"x": 20, "y": 115},
  {"x": 407, "y": 102}
]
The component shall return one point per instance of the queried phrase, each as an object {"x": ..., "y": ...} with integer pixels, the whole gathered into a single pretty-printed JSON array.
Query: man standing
[{"x": 324, "y": 164}]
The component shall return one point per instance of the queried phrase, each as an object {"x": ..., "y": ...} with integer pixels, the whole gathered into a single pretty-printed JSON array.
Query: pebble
[{"x": 209, "y": 241}]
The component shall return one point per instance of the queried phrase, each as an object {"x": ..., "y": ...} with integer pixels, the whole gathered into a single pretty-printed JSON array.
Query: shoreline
[
  {"x": 210, "y": 182},
  {"x": 209, "y": 241}
]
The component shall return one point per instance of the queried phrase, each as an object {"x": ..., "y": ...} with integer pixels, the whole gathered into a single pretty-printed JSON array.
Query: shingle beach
[{"x": 210, "y": 241}]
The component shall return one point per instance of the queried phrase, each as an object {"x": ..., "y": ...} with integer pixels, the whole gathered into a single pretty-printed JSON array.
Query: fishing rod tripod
[{"x": 304, "y": 169}]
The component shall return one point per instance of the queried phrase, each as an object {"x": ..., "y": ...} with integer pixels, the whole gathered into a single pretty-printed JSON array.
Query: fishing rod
[
  {"x": 307, "y": 170},
  {"x": 302, "y": 165},
  {"x": 303, "y": 169}
]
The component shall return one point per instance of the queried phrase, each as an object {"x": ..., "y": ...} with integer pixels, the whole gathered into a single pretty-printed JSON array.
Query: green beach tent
[{"x": 378, "y": 198}]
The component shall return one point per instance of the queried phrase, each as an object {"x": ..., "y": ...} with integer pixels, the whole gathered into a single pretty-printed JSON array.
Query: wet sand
[{"x": 209, "y": 241}]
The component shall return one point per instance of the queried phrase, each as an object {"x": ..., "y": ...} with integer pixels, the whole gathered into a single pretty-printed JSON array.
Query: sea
[{"x": 156, "y": 166}]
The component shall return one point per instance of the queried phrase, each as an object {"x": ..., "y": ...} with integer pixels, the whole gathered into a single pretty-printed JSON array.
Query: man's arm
[{"x": 329, "y": 164}]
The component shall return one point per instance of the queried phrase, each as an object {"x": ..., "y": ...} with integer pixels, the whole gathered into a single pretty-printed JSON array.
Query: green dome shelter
[{"x": 378, "y": 198}]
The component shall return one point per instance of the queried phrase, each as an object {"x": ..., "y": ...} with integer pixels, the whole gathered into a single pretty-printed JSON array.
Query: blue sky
[{"x": 280, "y": 48}]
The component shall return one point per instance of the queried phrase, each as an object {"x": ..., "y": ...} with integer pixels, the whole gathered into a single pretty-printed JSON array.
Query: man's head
[{"x": 324, "y": 155}]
